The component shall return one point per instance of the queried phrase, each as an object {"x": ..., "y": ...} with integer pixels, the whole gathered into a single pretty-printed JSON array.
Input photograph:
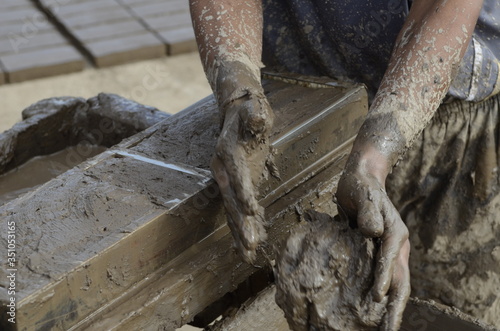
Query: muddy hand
[
  {"x": 362, "y": 196},
  {"x": 238, "y": 165}
]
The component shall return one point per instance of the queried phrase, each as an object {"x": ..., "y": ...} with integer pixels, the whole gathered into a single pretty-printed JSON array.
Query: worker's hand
[
  {"x": 240, "y": 163},
  {"x": 361, "y": 194}
]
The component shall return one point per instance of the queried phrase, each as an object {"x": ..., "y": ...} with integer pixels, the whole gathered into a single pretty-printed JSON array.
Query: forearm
[
  {"x": 228, "y": 31},
  {"x": 429, "y": 48}
]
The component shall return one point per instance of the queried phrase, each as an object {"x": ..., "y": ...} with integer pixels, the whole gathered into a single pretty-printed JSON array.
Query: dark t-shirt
[{"x": 353, "y": 39}]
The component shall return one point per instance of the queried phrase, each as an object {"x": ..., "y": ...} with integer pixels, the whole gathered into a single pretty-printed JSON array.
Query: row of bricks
[
  {"x": 30, "y": 46},
  {"x": 171, "y": 23},
  {"x": 111, "y": 31}
]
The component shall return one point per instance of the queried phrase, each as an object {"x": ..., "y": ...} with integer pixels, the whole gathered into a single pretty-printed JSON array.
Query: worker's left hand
[
  {"x": 242, "y": 155},
  {"x": 361, "y": 194}
]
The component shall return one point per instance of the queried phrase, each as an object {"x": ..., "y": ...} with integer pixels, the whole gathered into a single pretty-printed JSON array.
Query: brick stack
[
  {"x": 169, "y": 19},
  {"x": 30, "y": 46},
  {"x": 105, "y": 30}
]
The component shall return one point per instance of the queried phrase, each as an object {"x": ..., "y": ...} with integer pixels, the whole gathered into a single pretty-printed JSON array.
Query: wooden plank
[
  {"x": 112, "y": 232},
  {"x": 14, "y": 4},
  {"x": 145, "y": 9},
  {"x": 174, "y": 294},
  {"x": 178, "y": 291}
]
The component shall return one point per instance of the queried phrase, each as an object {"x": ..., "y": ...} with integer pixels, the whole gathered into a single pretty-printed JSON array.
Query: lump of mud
[{"x": 324, "y": 276}]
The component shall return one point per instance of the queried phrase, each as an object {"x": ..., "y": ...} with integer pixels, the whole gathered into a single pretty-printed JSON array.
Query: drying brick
[
  {"x": 42, "y": 63},
  {"x": 17, "y": 43},
  {"x": 126, "y": 49},
  {"x": 108, "y": 31},
  {"x": 179, "y": 40},
  {"x": 87, "y": 7},
  {"x": 95, "y": 18},
  {"x": 182, "y": 19}
]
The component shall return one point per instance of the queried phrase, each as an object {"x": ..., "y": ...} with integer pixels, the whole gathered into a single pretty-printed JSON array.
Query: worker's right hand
[
  {"x": 361, "y": 195},
  {"x": 241, "y": 154}
]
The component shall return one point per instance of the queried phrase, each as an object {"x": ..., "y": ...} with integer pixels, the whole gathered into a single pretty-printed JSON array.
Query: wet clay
[
  {"x": 324, "y": 277},
  {"x": 41, "y": 169},
  {"x": 53, "y": 124}
]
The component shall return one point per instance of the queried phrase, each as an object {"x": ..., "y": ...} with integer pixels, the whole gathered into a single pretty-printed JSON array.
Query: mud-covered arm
[
  {"x": 228, "y": 31},
  {"x": 425, "y": 57},
  {"x": 229, "y": 37}
]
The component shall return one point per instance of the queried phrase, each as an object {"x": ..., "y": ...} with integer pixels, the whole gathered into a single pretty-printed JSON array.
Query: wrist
[
  {"x": 236, "y": 79},
  {"x": 377, "y": 147},
  {"x": 368, "y": 160}
]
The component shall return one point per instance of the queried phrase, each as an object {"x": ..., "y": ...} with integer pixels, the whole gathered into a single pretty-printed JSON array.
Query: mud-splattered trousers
[{"x": 447, "y": 189}]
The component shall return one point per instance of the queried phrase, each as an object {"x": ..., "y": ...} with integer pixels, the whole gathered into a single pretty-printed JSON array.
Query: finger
[
  {"x": 246, "y": 234},
  {"x": 271, "y": 166},
  {"x": 241, "y": 181},
  {"x": 393, "y": 239},
  {"x": 399, "y": 293},
  {"x": 231, "y": 158},
  {"x": 247, "y": 230},
  {"x": 256, "y": 115},
  {"x": 248, "y": 255},
  {"x": 370, "y": 221}
]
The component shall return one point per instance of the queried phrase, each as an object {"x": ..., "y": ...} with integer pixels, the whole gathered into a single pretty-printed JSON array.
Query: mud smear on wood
[
  {"x": 324, "y": 277},
  {"x": 51, "y": 125},
  {"x": 72, "y": 128},
  {"x": 41, "y": 169}
]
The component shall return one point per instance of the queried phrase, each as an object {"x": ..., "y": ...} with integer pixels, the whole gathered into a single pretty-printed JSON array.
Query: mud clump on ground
[{"x": 324, "y": 276}]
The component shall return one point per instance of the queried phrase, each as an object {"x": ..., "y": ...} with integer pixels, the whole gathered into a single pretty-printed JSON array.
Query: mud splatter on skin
[
  {"x": 229, "y": 36},
  {"x": 424, "y": 62},
  {"x": 239, "y": 163},
  {"x": 324, "y": 275},
  {"x": 228, "y": 31}
]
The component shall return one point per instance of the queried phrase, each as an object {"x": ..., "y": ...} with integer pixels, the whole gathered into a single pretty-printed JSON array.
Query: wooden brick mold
[{"x": 136, "y": 238}]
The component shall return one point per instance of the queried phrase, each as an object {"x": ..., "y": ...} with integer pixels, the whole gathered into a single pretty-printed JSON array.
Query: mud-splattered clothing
[
  {"x": 353, "y": 40},
  {"x": 447, "y": 189}
]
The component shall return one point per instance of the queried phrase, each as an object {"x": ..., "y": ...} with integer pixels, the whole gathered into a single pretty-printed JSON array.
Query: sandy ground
[{"x": 169, "y": 84}]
